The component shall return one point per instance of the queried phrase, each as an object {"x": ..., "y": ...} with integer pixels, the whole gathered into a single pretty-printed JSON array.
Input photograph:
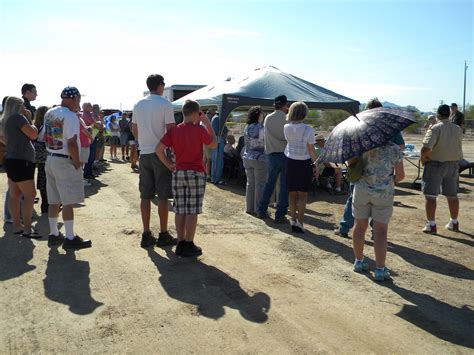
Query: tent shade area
[{"x": 260, "y": 88}]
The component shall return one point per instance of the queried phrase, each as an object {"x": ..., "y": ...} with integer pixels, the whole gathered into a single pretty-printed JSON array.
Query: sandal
[{"x": 31, "y": 235}]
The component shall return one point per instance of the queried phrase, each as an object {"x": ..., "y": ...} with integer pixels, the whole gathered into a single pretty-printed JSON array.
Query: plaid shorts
[{"x": 188, "y": 191}]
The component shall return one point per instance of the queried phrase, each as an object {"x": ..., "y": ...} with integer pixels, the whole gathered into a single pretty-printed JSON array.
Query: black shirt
[
  {"x": 29, "y": 107},
  {"x": 457, "y": 118}
]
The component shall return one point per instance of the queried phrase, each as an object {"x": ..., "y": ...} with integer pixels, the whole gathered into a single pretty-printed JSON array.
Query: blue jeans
[
  {"x": 347, "y": 220},
  {"x": 276, "y": 166},
  {"x": 6, "y": 210},
  {"x": 217, "y": 162},
  {"x": 90, "y": 161}
]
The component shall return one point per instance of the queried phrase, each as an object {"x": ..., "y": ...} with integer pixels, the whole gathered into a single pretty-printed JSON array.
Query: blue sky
[{"x": 406, "y": 52}]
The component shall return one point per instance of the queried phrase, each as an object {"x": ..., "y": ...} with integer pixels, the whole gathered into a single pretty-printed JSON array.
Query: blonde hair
[
  {"x": 12, "y": 106},
  {"x": 297, "y": 112}
]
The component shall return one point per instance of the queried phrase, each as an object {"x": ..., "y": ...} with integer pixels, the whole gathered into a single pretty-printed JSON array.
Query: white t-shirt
[
  {"x": 298, "y": 136},
  {"x": 116, "y": 131},
  {"x": 60, "y": 124},
  {"x": 151, "y": 114}
]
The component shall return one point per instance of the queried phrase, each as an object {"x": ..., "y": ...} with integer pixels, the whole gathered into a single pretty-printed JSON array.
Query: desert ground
[{"x": 256, "y": 289}]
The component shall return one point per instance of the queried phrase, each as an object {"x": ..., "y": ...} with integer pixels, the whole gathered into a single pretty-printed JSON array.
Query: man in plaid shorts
[{"x": 189, "y": 178}]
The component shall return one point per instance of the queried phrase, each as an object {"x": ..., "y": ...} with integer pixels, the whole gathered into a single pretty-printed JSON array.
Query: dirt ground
[{"x": 256, "y": 289}]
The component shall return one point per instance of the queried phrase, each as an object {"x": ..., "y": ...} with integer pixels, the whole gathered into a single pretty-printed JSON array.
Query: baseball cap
[
  {"x": 281, "y": 100},
  {"x": 70, "y": 92},
  {"x": 320, "y": 137}
]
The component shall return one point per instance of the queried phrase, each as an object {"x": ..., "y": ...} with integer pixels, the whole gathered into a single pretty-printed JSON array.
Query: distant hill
[{"x": 391, "y": 105}]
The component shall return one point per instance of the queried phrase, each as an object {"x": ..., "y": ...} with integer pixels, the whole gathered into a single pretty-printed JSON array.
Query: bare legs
[
  {"x": 297, "y": 202},
  {"x": 430, "y": 207},
  {"x": 380, "y": 242},
  {"x": 16, "y": 191},
  {"x": 145, "y": 208},
  {"x": 186, "y": 226}
]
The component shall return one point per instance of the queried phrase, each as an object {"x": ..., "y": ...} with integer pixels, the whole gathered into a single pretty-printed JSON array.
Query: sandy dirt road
[{"x": 256, "y": 289}]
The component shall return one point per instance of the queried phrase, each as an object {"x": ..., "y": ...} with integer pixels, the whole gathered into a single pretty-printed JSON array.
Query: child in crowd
[
  {"x": 114, "y": 129},
  {"x": 189, "y": 179},
  {"x": 300, "y": 154}
]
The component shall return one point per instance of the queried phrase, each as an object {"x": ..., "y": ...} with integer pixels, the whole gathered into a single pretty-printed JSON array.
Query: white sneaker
[
  {"x": 429, "y": 228},
  {"x": 300, "y": 226},
  {"x": 452, "y": 226},
  {"x": 87, "y": 183}
]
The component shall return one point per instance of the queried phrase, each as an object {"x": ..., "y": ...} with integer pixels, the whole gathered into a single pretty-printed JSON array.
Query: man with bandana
[{"x": 63, "y": 169}]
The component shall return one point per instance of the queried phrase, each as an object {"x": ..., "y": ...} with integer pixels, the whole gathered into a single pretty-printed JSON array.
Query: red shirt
[{"x": 187, "y": 139}]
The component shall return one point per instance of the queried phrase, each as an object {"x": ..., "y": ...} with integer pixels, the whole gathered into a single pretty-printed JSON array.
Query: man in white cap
[{"x": 63, "y": 169}]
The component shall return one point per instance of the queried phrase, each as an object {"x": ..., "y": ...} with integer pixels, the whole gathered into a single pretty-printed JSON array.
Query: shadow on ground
[
  {"x": 210, "y": 289},
  {"x": 67, "y": 281},
  {"x": 447, "y": 322},
  {"x": 444, "y": 321},
  {"x": 15, "y": 254}
]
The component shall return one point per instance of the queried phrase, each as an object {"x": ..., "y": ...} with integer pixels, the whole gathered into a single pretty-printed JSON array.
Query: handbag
[{"x": 354, "y": 172}]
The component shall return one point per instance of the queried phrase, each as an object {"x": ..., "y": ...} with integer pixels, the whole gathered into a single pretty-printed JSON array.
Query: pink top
[{"x": 85, "y": 142}]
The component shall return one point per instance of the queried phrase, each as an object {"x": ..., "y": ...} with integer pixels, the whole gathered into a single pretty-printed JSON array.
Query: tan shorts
[
  {"x": 64, "y": 183},
  {"x": 84, "y": 155},
  {"x": 366, "y": 204}
]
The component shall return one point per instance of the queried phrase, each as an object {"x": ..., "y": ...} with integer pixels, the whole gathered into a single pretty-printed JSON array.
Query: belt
[{"x": 59, "y": 155}]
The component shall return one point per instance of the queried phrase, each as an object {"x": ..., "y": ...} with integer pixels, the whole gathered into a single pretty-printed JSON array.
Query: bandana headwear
[{"x": 69, "y": 92}]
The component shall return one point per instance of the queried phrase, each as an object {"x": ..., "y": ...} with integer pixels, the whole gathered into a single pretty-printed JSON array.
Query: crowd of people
[{"x": 279, "y": 154}]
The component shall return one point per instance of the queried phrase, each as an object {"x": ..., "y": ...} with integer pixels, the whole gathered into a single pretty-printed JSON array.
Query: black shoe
[
  {"x": 190, "y": 249},
  {"x": 281, "y": 220},
  {"x": 338, "y": 231},
  {"x": 165, "y": 239},
  {"x": 179, "y": 248},
  {"x": 90, "y": 177},
  {"x": 76, "y": 243},
  {"x": 55, "y": 239},
  {"x": 264, "y": 215},
  {"x": 148, "y": 240}
]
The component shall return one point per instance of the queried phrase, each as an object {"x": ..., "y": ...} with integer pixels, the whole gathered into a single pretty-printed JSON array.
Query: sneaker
[
  {"x": 87, "y": 183},
  {"x": 429, "y": 229},
  {"x": 148, "y": 239},
  {"x": 190, "y": 249},
  {"x": 165, "y": 238},
  {"x": 123, "y": 157},
  {"x": 55, "y": 239},
  {"x": 298, "y": 228},
  {"x": 76, "y": 243},
  {"x": 382, "y": 274},
  {"x": 453, "y": 226},
  {"x": 281, "y": 220},
  {"x": 179, "y": 248},
  {"x": 340, "y": 233},
  {"x": 361, "y": 266}
]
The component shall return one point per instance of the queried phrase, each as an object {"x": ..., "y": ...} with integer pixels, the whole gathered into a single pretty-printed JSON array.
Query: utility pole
[{"x": 464, "y": 96}]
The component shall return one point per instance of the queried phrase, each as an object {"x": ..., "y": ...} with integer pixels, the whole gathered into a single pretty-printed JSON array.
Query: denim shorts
[{"x": 440, "y": 175}]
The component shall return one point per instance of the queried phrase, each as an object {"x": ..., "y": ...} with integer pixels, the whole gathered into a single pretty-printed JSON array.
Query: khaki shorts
[
  {"x": 64, "y": 183},
  {"x": 366, "y": 204},
  {"x": 84, "y": 155}
]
